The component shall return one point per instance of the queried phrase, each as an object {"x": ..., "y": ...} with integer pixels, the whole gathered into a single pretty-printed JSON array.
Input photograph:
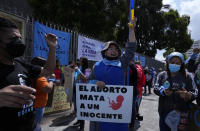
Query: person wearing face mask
[
  {"x": 191, "y": 64},
  {"x": 84, "y": 73},
  {"x": 43, "y": 86},
  {"x": 176, "y": 90},
  {"x": 111, "y": 71},
  {"x": 16, "y": 92}
]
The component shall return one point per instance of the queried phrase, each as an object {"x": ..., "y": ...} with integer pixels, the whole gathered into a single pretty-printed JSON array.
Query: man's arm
[
  {"x": 132, "y": 38},
  {"x": 48, "y": 88},
  {"x": 48, "y": 83},
  {"x": 48, "y": 69},
  {"x": 130, "y": 47}
]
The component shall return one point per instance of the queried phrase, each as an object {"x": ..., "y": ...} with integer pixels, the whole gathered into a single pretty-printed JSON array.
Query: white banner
[
  {"x": 111, "y": 104},
  {"x": 89, "y": 48}
]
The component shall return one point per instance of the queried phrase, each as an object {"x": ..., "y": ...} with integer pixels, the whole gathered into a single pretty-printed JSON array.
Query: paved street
[
  {"x": 149, "y": 109},
  {"x": 64, "y": 121}
]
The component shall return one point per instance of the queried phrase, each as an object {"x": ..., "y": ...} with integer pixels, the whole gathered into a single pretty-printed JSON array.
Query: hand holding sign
[
  {"x": 168, "y": 92},
  {"x": 51, "y": 40},
  {"x": 100, "y": 84},
  {"x": 184, "y": 94}
]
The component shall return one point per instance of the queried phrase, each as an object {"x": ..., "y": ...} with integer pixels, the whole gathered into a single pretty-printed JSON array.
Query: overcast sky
[{"x": 186, "y": 7}]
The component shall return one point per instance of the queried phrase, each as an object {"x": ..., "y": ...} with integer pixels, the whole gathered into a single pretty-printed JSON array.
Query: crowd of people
[{"x": 24, "y": 87}]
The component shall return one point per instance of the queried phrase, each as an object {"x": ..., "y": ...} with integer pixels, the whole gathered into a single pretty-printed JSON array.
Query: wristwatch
[{"x": 51, "y": 79}]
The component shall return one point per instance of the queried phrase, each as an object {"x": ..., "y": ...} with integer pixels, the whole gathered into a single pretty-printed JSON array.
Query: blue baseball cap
[{"x": 178, "y": 54}]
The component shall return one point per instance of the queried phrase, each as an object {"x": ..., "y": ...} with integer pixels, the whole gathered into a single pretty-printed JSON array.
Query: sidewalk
[{"x": 62, "y": 121}]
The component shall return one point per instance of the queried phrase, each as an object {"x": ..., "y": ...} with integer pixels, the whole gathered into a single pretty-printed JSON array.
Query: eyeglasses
[{"x": 112, "y": 49}]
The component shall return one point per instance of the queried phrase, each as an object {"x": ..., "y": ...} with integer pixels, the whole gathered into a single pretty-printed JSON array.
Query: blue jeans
[
  {"x": 39, "y": 114},
  {"x": 133, "y": 112},
  {"x": 138, "y": 102},
  {"x": 38, "y": 127},
  {"x": 163, "y": 125}
]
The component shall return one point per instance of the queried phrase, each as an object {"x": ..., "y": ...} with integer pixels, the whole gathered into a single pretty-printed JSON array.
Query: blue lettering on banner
[
  {"x": 87, "y": 50},
  {"x": 32, "y": 108},
  {"x": 19, "y": 114},
  {"x": 142, "y": 60},
  {"x": 26, "y": 109},
  {"x": 102, "y": 47},
  {"x": 40, "y": 47},
  {"x": 86, "y": 42},
  {"x": 136, "y": 57}
]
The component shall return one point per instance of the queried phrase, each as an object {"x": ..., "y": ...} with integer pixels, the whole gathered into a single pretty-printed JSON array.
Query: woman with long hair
[
  {"x": 83, "y": 73},
  {"x": 84, "y": 67},
  {"x": 176, "y": 90}
]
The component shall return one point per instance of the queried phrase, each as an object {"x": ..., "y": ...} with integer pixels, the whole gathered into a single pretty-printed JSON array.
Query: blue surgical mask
[{"x": 174, "y": 68}]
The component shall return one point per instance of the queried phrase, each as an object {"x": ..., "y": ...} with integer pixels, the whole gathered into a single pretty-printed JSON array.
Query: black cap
[{"x": 38, "y": 61}]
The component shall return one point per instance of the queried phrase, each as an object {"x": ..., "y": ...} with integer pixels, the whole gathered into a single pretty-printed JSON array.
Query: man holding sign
[{"x": 111, "y": 71}]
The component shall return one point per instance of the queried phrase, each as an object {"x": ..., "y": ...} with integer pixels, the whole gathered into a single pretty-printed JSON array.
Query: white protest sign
[
  {"x": 111, "y": 104},
  {"x": 89, "y": 48}
]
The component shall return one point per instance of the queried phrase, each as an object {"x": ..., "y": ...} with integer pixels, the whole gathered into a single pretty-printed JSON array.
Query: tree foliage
[
  {"x": 96, "y": 18},
  {"x": 169, "y": 51},
  {"x": 176, "y": 33},
  {"x": 107, "y": 20}
]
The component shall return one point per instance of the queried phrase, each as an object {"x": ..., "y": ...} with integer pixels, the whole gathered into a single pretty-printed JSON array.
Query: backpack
[
  {"x": 141, "y": 80},
  {"x": 140, "y": 76}
]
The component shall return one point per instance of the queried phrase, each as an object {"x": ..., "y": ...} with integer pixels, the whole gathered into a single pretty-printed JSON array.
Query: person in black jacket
[
  {"x": 176, "y": 89},
  {"x": 16, "y": 92},
  {"x": 133, "y": 82},
  {"x": 191, "y": 64}
]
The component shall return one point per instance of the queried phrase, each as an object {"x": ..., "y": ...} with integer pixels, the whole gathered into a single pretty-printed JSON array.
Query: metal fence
[{"x": 29, "y": 30}]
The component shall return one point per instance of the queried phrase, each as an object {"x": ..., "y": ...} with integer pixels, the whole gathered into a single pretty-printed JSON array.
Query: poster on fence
[
  {"x": 59, "y": 100},
  {"x": 89, "y": 48},
  {"x": 40, "y": 47},
  {"x": 113, "y": 103}
]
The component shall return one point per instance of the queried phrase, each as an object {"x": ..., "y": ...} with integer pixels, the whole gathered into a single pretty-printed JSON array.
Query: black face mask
[
  {"x": 15, "y": 48},
  {"x": 111, "y": 58}
]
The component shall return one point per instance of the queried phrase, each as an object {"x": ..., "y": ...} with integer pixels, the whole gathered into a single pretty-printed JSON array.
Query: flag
[{"x": 131, "y": 10}]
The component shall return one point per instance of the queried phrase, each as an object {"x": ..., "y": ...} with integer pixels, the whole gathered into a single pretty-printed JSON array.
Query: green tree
[
  {"x": 150, "y": 26},
  {"x": 170, "y": 50},
  {"x": 157, "y": 29},
  {"x": 176, "y": 33},
  {"x": 107, "y": 20},
  {"x": 96, "y": 18}
]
